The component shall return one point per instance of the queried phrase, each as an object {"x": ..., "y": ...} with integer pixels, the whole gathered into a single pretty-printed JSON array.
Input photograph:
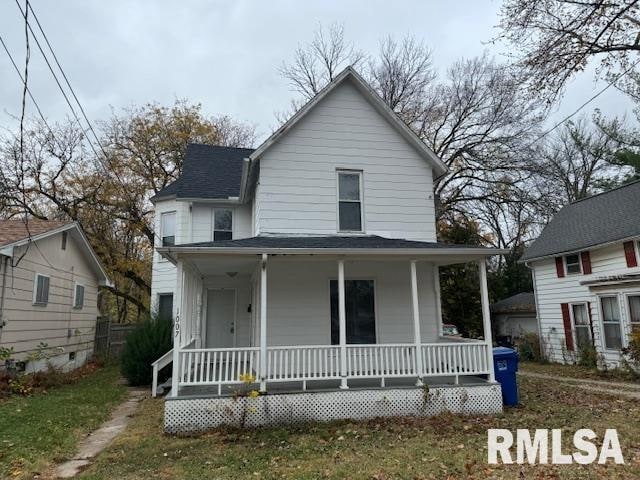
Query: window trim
[
  {"x": 213, "y": 222},
  {"x": 627, "y": 308},
  {"x": 162, "y": 215},
  {"x": 566, "y": 268},
  {"x": 75, "y": 295},
  {"x": 602, "y": 322},
  {"x": 35, "y": 289},
  {"x": 370, "y": 278},
  {"x": 574, "y": 328},
  {"x": 360, "y": 174}
]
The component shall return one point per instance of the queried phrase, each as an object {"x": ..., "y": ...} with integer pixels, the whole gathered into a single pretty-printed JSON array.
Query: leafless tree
[{"x": 557, "y": 38}]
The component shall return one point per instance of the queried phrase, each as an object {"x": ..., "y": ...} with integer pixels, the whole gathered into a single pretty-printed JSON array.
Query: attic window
[
  {"x": 222, "y": 224},
  {"x": 572, "y": 263},
  {"x": 64, "y": 241}
]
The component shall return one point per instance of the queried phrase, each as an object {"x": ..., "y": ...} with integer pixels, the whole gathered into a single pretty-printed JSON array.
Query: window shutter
[
  {"x": 630, "y": 254},
  {"x": 586, "y": 262},
  {"x": 559, "y": 267},
  {"x": 593, "y": 337},
  {"x": 566, "y": 320}
]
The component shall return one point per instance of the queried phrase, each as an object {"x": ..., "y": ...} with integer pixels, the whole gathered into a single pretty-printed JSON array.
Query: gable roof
[
  {"x": 14, "y": 230},
  {"x": 374, "y": 99},
  {"x": 208, "y": 172},
  {"x": 523, "y": 302},
  {"x": 608, "y": 217},
  {"x": 15, "y": 233}
]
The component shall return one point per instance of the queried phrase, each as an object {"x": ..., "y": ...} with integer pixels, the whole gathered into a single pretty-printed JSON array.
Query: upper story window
[
  {"x": 41, "y": 289},
  {"x": 78, "y": 296},
  {"x": 222, "y": 224},
  {"x": 349, "y": 201},
  {"x": 168, "y": 228},
  {"x": 572, "y": 263}
]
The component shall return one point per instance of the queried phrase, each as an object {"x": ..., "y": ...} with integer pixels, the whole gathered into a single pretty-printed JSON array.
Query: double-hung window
[
  {"x": 41, "y": 290},
  {"x": 581, "y": 324},
  {"x": 222, "y": 224},
  {"x": 573, "y": 264},
  {"x": 611, "y": 323},
  {"x": 78, "y": 296},
  {"x": 634, "y": 312},
  {"x": 168, "y": 228},
  {"x": 350, "y": 201}
]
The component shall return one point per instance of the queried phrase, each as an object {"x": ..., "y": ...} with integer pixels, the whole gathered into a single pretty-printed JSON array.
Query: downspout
[
  {"x": 535, "y": 298},
  {"x": 2, "y": 292}
]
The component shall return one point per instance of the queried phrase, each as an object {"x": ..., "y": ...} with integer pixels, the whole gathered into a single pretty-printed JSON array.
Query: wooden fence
[{"x": 111, "y": 337}]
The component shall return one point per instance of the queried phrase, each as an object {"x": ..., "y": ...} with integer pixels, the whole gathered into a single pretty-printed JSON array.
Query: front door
[{"x": 221, "y": 310}]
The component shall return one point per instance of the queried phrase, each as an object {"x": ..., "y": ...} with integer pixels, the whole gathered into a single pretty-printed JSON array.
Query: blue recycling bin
[{"x": 505, "y": 363}]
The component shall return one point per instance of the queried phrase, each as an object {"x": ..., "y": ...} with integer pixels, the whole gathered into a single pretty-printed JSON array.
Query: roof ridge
[
  {"x": 624, "y": 185},
  {"x": 210, "y": 145}
]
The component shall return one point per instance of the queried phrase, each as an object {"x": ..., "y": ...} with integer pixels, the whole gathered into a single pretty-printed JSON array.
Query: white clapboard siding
[
  {"x": 297, "y": 191},
  {"x": 551, "y": 291}
]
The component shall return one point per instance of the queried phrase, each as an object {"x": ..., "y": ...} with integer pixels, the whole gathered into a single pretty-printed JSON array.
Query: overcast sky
[{"x": 225, "y": 55}]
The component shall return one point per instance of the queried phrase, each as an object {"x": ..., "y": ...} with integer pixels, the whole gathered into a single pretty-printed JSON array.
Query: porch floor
[{"x": 206, "y": 391}]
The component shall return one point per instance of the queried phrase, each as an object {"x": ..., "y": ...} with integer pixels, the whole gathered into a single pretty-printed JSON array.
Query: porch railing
[{"x": 224, "y": 366}]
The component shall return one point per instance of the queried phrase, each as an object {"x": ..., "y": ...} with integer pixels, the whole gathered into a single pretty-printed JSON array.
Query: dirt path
[
  {"x": 622, "y": 389},
  {"x": 99, "y": 439}
]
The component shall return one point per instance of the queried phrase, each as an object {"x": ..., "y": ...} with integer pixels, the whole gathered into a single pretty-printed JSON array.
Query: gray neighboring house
[
  {"x": 49, "y": 279},
  {"x": 515, "y": 315},
  {"x": 587, "y": 275}
]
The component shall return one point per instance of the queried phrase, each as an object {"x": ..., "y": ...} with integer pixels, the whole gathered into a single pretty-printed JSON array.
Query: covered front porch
[{"x": 283, "y": 323}]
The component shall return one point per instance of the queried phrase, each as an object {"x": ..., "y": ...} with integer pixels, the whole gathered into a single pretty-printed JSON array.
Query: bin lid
[{"x": 504, "y": 352}]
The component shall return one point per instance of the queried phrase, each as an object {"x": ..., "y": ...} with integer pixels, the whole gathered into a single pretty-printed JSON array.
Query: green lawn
[
  {"x": 445, "y": 447},
  {"x": 38, "y": 430},
  {"x": 577, "y": 371}
]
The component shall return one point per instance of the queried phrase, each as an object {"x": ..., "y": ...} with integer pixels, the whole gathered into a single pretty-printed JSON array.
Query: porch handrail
[
  {"x": 302, "y": 363},
  {"x": 158, "y": 365}
]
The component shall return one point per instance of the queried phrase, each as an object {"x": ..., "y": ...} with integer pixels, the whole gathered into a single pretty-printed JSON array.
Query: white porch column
[
  {"x": 342, "y": 325},
  {"x": 263, "y": 323},
  {"x": 417, "y": 338},
  {"x": 486, "y": 315},
  {"x": 436, "y": 286},
  {"x": 177, "y": 309}
]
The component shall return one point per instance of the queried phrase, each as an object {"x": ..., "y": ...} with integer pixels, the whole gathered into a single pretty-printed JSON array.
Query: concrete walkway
[
  {"x": 99, "y": 439},
  {"x": 621, "y": 389}
]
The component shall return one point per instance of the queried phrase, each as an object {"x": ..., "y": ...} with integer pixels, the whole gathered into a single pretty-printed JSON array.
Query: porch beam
[
  {"x": 486, "y": 316},
  {"x": 263, "y": 323},
  {"x": 417, "y": 337},
  {"x": 342, "y": 325},
  {"x": 176, "y": 329}
]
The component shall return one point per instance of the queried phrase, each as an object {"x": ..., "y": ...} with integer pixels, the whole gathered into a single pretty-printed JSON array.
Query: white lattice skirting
[{"x": 187, "y": 415}]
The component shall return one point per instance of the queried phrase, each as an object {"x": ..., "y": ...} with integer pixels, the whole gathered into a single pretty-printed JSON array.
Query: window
[
  {"x": 64, "y": 241},
  {"x": 611, "y": 323},
  {"x": 581, "y": 325},
  {"x": 222, "y": 224},
  {"x": 168, "y": 228},
  {"x": 41, "y": 290},
  {"x": 350, "y": 201},
  {"x": 165, "y": 306},
  {"x": 78, "y": 296},
  {"x": 634, "y": 312},
  {"x": 360, "y": 309},
  {"x": 573, "y": 264}
]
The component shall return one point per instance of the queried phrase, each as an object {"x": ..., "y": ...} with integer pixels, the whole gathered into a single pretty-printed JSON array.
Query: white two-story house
[
  {"x": 587, "y": 276},
  {"x": 311, "y": 263}
]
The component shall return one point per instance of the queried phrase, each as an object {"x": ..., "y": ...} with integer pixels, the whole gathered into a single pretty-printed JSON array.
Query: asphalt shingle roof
[
  {"x": 345, "y": 242},
  {"x": 524, "y": 302},
  {"x": 14, "y": 230},
  {"x": 209, "y": 171},
  {"x": 603, "y": 218}
]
